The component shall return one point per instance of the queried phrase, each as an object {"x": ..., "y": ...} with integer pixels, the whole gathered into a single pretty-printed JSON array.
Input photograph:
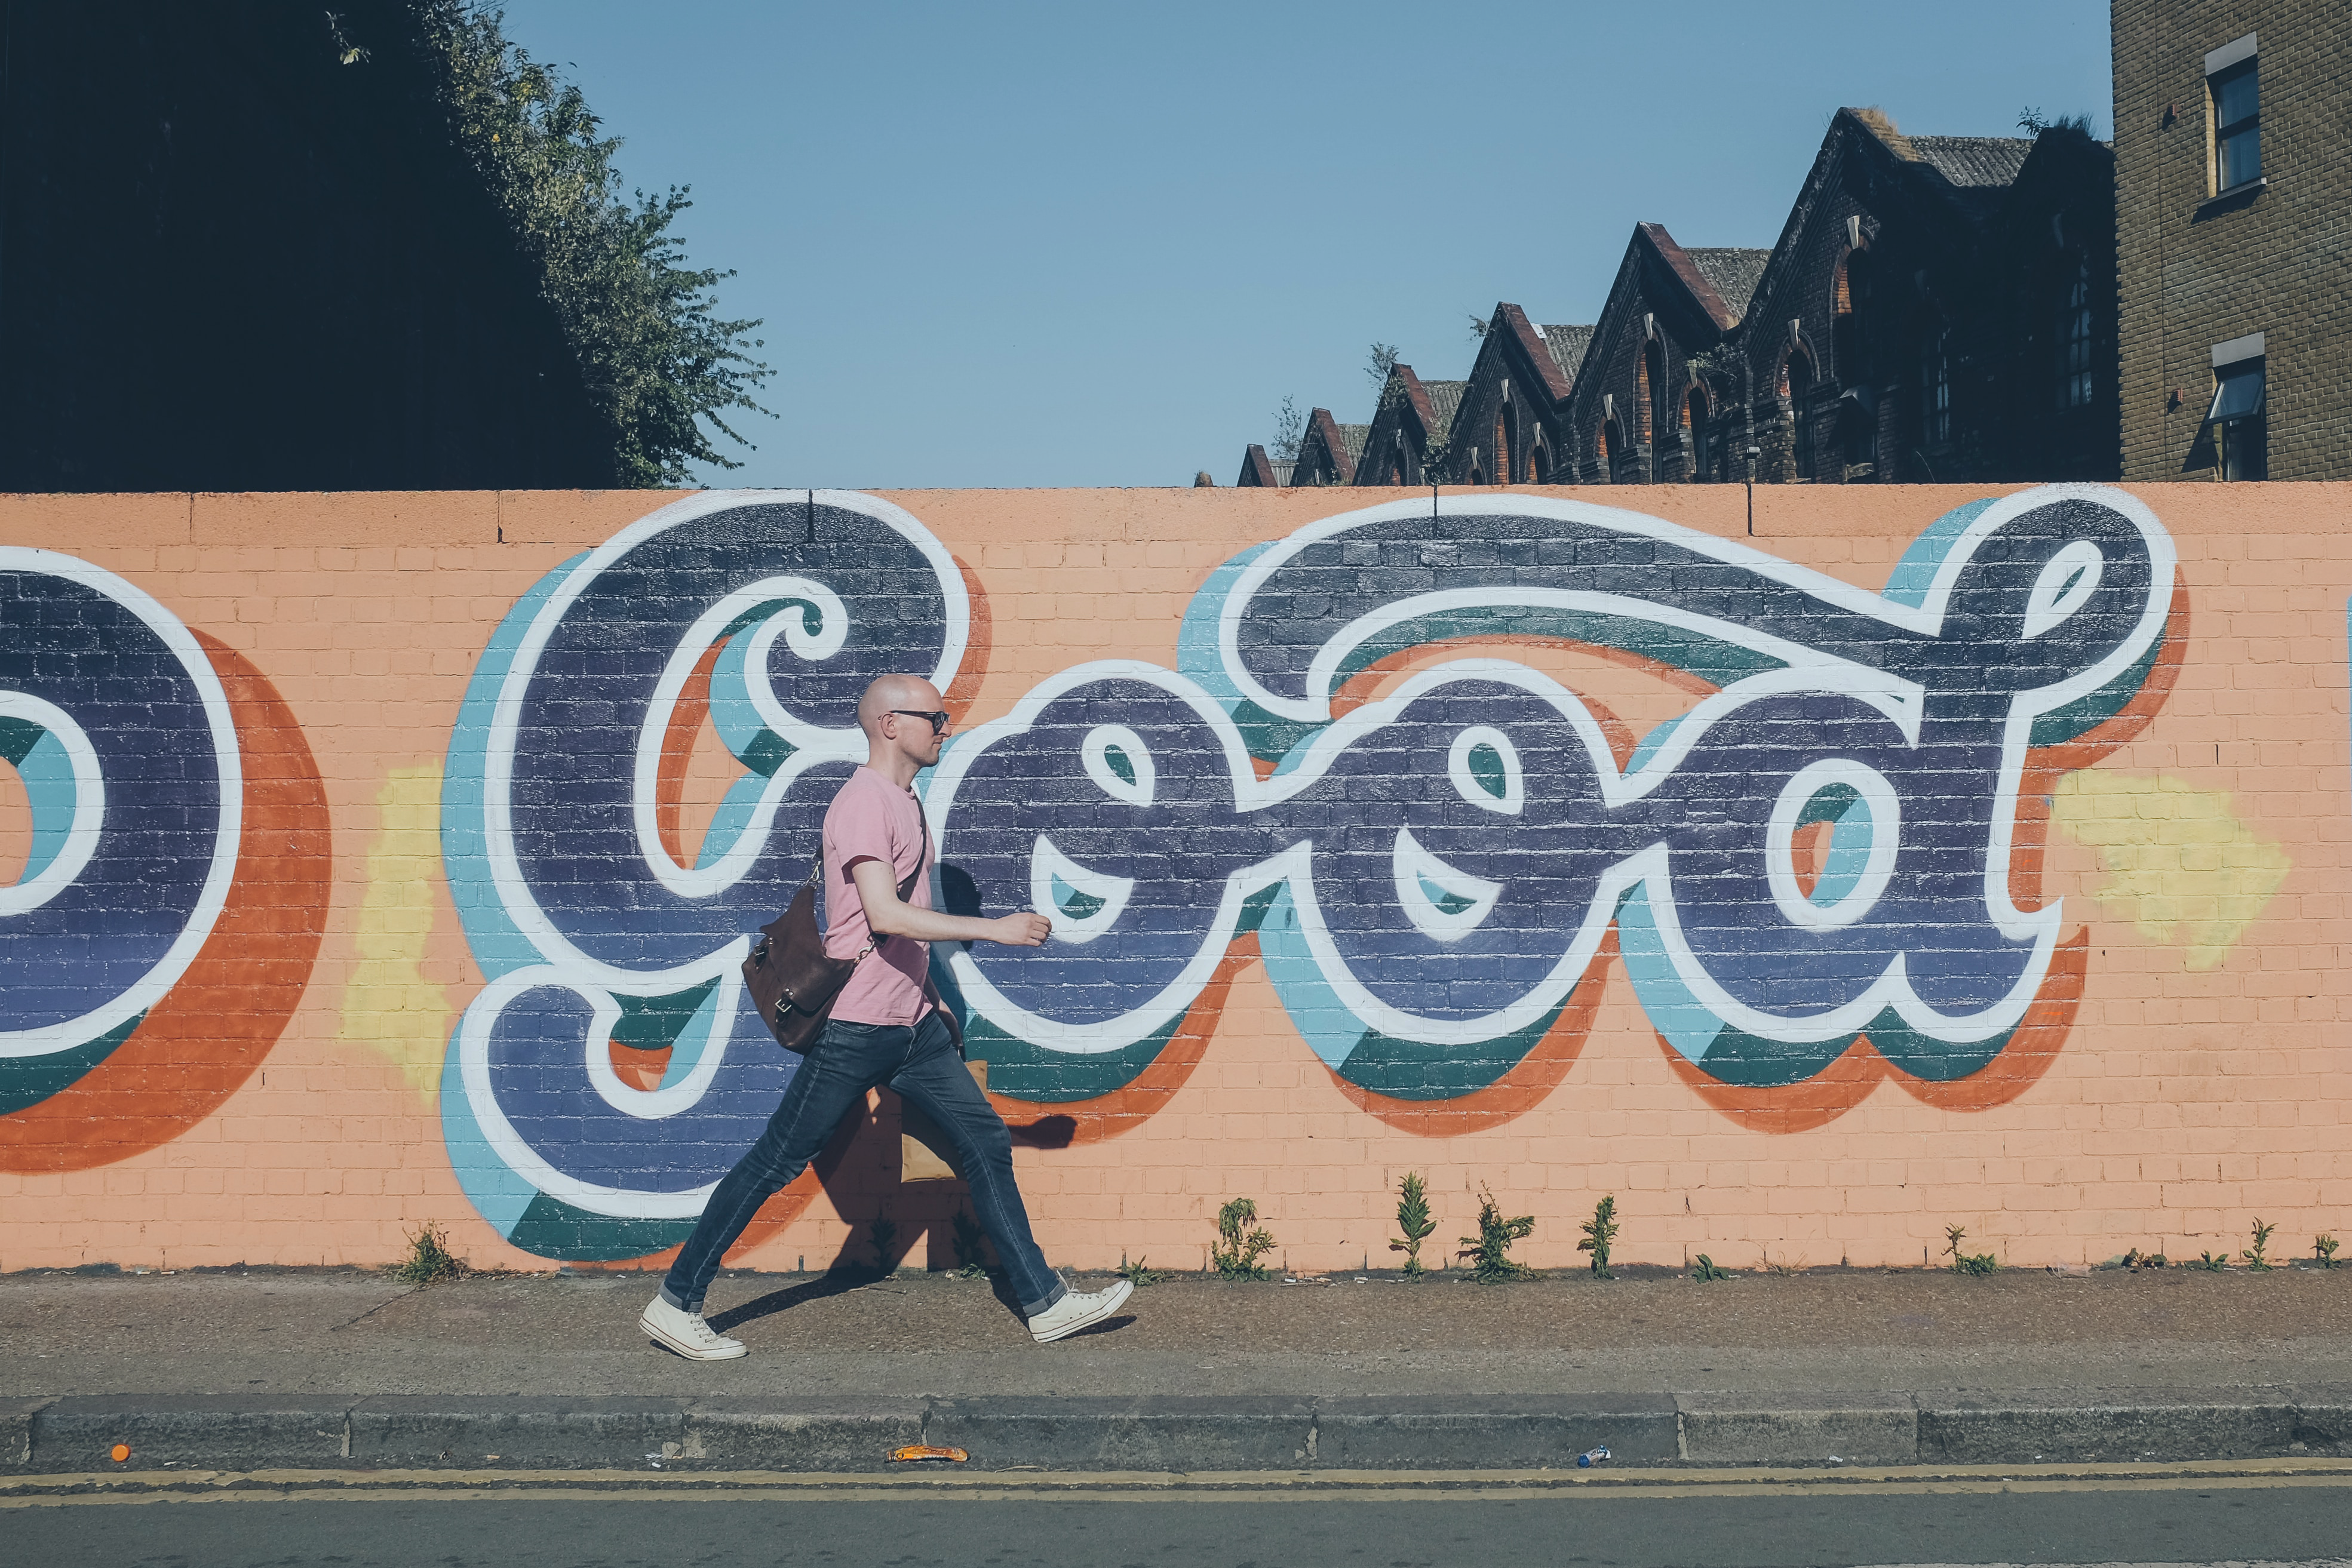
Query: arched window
[
  {"x": 1655, "y": 407},
  {"x": 1935, "y": 386},
  {"x": 1850, "y": 295},
  {"x": 1538, "y": 462},
  {"x": 1613, "y": 448},
  {"x": 2074, "y": 340},
  {"x": 1502, "y": 444},
  {"x": 1796, "y": 376},
  {"x": 1702, "y": 449}
]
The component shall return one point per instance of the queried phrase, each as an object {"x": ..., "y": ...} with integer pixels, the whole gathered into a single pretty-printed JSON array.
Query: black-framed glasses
[{"x": 939, "y": 721}]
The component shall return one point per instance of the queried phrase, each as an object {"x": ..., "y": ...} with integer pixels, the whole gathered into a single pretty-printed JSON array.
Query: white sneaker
[
  {"x": 1075, "y": 1311},
  {"x": 673, "y": 1328}
]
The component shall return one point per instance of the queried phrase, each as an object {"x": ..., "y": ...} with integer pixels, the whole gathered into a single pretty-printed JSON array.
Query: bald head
[{"x": 888, "y": 691}]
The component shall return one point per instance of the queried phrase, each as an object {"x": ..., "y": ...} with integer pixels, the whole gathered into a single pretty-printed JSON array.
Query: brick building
[
  {"x": 1640, "y": 413},
  {"x": 1411, "y": 424},
  {"x": 1936, "y": 310},
  {"x": 1328, "y": 450},
  {"x": 2233, "y": 128},
  {"x": 1509, "y": 429}
]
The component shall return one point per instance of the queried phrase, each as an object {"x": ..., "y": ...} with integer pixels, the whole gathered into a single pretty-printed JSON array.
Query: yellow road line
[{"x": 1389, "y": 1486}]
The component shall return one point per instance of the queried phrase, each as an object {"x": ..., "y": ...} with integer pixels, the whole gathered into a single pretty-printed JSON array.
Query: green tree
[{"x": 656, "y": 357}]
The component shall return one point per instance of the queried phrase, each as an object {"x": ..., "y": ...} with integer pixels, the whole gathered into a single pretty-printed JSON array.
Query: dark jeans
[{"x": 922, "y": 1065}]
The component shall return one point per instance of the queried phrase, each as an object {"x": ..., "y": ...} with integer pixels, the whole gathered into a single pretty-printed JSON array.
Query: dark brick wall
[{"x": 2196, "y": 272}]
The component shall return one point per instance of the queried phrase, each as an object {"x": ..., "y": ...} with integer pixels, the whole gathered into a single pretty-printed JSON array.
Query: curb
[{"x": 76, "y": 1434}]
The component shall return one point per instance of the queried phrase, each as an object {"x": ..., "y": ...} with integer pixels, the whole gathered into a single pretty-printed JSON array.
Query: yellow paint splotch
[
  {"x": 2180, "y": 864},
  {"x": 389, "y": 1005}
]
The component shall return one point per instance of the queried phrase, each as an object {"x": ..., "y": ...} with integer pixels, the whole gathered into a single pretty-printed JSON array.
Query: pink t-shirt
[{"x": 872, "y": 819}]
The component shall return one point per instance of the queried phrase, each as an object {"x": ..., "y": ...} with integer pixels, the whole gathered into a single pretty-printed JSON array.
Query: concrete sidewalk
[{"x": 239, "y": 1370}]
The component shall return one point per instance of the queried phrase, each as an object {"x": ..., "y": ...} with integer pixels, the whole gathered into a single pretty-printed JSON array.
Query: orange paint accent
[
  {"x": 678, "y": 753},
  {"x": 1847, "y": 1082},
  {"x": 2031, "y": 1051},
  {"x": 1516, "y": 1092},
  {"x": 979, "y": 641},
  {"x": 639, "y": 1069},
  {"x": 201, "y": 1041}
]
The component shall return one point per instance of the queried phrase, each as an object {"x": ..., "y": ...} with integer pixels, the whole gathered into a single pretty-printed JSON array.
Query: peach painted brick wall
[{"x": 2186, "y": 1100}]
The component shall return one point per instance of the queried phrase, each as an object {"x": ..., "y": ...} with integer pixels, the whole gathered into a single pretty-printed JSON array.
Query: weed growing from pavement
[
  {"x": 429, "y": 1260},
  {"x": 1600, "y": 1235},
  {"x": 971, "y": 1263},
  {"x": 1705, "y": 1270},
  {"x": 2255, "y": 1255},
  {"x": 1413, "y": 1218},
  {"x": 2322, "y": 1247},
  {"x": 882, "y": 1232},
  {"x": 2213, "y": 1262},
  {"x": 1137, "y": 1275},
  {"x": 1489, "y": 1251},
  {"x": 1243, "y": 1242},
  {"x": 2136, "y": 1259},
  {"x": 1967, "y": 1262}
]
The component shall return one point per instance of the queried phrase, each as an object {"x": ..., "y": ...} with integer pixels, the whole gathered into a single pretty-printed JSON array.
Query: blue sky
[{"x": 1023, "y": 244}]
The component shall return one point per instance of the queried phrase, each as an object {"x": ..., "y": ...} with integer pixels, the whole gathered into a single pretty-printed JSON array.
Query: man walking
[{"x": 885, "y": 1028}]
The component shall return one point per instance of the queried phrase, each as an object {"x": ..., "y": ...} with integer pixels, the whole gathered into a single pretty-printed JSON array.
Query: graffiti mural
[
  {"x": 159, "y": 933},
  {"x": 770, "y": 613},
  {"x": 1432, "y": 878}
]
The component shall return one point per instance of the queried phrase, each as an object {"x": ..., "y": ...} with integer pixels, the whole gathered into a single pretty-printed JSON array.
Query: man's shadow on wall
[{"x": 860, "y": 1171}]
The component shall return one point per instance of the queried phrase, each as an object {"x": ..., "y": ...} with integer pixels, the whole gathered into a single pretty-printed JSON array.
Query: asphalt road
[{"x": 2248, "y": 1516}]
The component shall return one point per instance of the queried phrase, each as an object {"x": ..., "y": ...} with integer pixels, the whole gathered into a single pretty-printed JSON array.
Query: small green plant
[
  {"x": 1489, "y": 1251},
  {"x": 1600, "y": 1236},
  {"x": 429, "y": 1260},
  {"x": 1705, "y": 1270},
  {"x": 1137, "y": 1275},
  {"x": 1413, "y": 1218},
  {"x": 882, "y": 1232},
  {"x": 971, "y": 1261},
  {"x": 1967, "y": 1262},
  {"x": 2253, "y": 1255},
  {"x": 2136, "y": 1259},
  {"x": 2213, "y": 1262},
  {"x": 1242, "y": 1242},
  {"x": 2324, "y": 1248}
]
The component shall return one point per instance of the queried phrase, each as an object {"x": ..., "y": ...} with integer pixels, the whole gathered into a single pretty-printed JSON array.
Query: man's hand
[{"x": 1026, "y": 929}]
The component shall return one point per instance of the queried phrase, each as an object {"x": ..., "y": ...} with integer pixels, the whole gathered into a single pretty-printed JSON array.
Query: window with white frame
[
  {"x": 2236, "y": 417},
  {"x": 2233, "y": 86}
]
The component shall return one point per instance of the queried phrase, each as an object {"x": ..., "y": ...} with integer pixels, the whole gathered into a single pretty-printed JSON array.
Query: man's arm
[{"x": 890, "y": 917}]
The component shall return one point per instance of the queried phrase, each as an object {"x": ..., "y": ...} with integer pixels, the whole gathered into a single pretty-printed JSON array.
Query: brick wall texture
[
  {"x": 2193, "y": 272},
  {"x": 2176, "y": 1065}
]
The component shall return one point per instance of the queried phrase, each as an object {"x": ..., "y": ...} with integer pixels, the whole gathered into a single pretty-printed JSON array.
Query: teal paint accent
[
  {"x": 1914, "y": 573},
  {"x": 736, "y": 810},
  {"x": 681, "y": 1024},
  {"x": 1486, "y": 768},
  {"x": 1020, "y": 1070},
  {"x": 1330, "y": 1029},
  {"x": 498, "y": 1193},
  {"x": 1069, "y": 900},
  {"x": 1118, "y": 761},
  {"x": 1681, "y": 1018},
  {"x": 498, "y": 947},
  {"x": 551, "y": 1228},
  {"x": 1745, "y": 1060},
  {"x": 1413, "y": 1070},
  {"x": 29, "y": 1080},
  {"x": 1446, "y": 903},
  {"x": 47, "y": 772}
]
